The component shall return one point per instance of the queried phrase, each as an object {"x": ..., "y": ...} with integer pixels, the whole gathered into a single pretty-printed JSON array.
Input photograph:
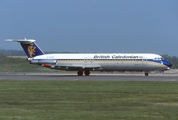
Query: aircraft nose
[
  {"x": 170, "y": 65},
  {"x": 167, "y": 63}
]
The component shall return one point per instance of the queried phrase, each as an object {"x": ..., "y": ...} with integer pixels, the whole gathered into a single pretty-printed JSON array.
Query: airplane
[{"x": 83, "y": 63}]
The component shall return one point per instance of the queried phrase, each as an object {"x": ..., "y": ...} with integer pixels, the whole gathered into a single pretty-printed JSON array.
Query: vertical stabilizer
[{"x": 29, "y": 46}]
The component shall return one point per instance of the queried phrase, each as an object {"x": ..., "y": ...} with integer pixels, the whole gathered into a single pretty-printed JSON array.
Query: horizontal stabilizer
[{"x": 22, "y": 41}]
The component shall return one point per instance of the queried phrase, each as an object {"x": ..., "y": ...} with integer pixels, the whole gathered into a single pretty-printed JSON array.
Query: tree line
[{"x": 172, "y": 59}]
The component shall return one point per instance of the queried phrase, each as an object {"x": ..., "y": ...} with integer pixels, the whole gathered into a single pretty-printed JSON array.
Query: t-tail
[{"x": 29, "y": 46}]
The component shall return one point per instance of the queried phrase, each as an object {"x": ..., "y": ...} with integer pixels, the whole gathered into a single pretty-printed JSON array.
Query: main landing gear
[{"x": 80, "y": 73}]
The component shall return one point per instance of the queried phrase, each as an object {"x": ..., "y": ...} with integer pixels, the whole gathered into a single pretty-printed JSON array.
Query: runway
[{"x": 93, "y": 77}]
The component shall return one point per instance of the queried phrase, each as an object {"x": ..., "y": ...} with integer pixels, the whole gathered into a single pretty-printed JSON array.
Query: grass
[{"x": 86, "y": 100}]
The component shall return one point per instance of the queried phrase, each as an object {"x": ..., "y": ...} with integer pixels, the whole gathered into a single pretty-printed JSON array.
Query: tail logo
[{"x": 31, "y": 50}]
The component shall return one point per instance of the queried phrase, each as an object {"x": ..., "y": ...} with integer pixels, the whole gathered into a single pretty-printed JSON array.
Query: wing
[{"x": 76, "y": 67}]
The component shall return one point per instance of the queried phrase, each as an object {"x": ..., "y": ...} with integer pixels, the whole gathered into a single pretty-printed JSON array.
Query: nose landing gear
[{"x": 146, "y": 73}]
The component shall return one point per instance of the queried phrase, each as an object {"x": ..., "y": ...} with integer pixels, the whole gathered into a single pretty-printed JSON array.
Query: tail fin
[{"x": 29, "y": 46}]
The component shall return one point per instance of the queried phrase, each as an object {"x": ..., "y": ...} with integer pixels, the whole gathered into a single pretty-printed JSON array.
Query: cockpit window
[{"x": 159, "y": 58}]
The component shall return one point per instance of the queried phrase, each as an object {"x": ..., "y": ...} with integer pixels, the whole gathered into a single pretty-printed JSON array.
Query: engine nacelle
[{"x": 42, "y": 61}]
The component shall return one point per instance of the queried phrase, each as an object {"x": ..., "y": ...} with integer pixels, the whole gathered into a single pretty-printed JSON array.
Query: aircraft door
[
  {"x": 85, "y": 60},
  {"x": 91, "y": 60},
  {"x": 144, "y": 61}
]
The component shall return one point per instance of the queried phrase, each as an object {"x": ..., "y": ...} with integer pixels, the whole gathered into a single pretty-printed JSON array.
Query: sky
[{"x": 104, "y": 26}]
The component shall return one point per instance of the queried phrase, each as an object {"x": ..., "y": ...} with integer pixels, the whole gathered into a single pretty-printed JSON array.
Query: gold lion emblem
[{"x": 31, "y": 50}]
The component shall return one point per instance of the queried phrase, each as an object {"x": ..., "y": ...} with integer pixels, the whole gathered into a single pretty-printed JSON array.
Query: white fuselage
[{"x": 103, "y": 61}]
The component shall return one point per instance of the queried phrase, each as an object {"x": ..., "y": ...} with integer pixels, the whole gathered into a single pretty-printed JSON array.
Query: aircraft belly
[
  {"x": 132, "y": 66},
  {"x": 110, "y": 66}
]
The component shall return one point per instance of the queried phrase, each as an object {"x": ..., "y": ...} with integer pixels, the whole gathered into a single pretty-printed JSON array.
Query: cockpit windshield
[{"x": 159, "y": 58}]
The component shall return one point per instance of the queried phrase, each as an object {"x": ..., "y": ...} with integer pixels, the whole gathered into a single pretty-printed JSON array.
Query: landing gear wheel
[
  {"x": 146, "y": 74},
  {"x": 80, "y": 73},
  {"x": 87, "y": 73}
]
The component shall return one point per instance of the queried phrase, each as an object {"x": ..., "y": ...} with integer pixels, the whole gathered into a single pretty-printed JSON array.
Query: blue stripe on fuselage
[{"x": 165, "y": 62}]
